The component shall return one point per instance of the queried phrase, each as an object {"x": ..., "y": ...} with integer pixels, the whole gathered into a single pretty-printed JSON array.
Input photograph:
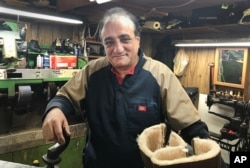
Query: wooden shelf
[
  {"x": 231, "y": 92},
  {"x": 227, "y": 30}
]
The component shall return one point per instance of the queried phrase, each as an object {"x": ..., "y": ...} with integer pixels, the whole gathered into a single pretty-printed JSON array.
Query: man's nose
[{"x": 118, "y": 47}]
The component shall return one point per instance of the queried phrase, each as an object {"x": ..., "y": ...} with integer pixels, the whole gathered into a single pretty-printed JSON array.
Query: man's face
[{"x": 121, "y": 44}]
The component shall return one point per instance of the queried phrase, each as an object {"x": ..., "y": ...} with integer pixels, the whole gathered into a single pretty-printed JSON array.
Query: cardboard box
[{"x": 63, "y": 62}]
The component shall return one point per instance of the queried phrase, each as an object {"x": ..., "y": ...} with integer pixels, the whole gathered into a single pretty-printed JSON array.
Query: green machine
[{"x": 24, "y": 95}]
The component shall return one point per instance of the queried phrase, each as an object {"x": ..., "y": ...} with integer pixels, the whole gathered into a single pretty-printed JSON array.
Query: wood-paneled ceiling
[{"x": 92, "y": 12}]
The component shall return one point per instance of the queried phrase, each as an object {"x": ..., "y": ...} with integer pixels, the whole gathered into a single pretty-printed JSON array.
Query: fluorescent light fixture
[
  {"x": 234, "y": 44},
  {"x": 240, "y": 42},
  {"x": 38, "y": 16},
  {"x": 100, "y": 1}
]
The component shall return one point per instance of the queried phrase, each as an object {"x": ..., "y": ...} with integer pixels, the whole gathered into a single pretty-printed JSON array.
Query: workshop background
[{"x": 37, "y": 56}]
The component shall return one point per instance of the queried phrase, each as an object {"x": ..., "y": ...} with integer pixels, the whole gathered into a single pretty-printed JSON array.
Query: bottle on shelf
[
  {"x": 75, "y": 50},
  {"x": 39, "y": 61},
  {"x": 79, "y": 51},
  {"x": 46, "y": 60}
]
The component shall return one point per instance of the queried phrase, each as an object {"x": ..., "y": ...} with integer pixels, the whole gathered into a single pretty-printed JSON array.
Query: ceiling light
[
  {"x": 38, "y": 16},
  {"x": 220, "y": 44},
  {"x": 238, "y": 42},
  {"x": 100, "y": 1}
]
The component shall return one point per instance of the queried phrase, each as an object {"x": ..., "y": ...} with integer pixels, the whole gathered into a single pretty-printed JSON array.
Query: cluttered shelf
[{"x": 226, "y": 29}]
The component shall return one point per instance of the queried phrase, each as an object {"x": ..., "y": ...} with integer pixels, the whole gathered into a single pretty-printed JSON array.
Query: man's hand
[{"x": 54, "y": 124}]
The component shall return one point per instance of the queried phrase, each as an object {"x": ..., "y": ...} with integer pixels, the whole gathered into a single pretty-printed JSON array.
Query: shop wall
[
  {"x": 46, "y": 33},
  {"x": 196, "y": 74}
]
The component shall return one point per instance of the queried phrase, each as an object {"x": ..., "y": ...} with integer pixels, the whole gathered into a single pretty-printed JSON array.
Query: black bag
[{"x": 34, "y": 46}]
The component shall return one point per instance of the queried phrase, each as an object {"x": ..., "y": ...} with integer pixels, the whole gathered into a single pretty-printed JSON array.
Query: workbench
[{"x": 26, "y": 146}]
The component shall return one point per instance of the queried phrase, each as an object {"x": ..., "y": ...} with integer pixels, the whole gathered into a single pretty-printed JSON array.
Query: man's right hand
[{"x": 53, "y": 125}]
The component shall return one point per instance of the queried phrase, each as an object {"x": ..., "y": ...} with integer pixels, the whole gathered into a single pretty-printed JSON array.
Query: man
[{"x": 122, "y": 94}]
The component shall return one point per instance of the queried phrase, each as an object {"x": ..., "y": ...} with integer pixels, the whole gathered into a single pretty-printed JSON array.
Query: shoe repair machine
[
  {"x": 24, "y": 94},
  {"x": 234, "y": 135},
  {"x": 237, "y": 129}
]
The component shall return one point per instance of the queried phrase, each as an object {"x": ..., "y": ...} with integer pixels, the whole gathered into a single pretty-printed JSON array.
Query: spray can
[
  {"x": 46, "y": 60},
  {"x": 79, "y": 51},
  {"x": 39, "y": 61},
  {"x": 75, "y": 50}
]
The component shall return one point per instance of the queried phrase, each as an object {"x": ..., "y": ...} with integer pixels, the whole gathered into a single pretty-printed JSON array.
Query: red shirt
[{"x": 118, "y": 75}]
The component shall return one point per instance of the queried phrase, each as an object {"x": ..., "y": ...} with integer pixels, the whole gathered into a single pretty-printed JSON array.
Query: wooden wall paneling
[
  {"x": 247, "y": 85},
  {"x": 46, "y": 33},
  {"x": 149, "y": 42},
  {"x": 28, "y": 32},
  {"x": 64, "y": 32},
  {"x": 55, "y": 33},
  {"x": 146, "y": 44},
  {"x": 198, "y": 70}
]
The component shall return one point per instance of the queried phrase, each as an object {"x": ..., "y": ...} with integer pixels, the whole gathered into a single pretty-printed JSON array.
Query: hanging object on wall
[
  {"x": 181, "y": 61},
  {"x": 246, "y": 14},
  {"x": 155, "y": 25},
  {"x": 173, "y": 23},
  {"x": 22, "y": 31}
]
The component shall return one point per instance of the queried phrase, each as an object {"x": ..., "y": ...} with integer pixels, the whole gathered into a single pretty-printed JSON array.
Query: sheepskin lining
[{"x": 154, "y": 155}]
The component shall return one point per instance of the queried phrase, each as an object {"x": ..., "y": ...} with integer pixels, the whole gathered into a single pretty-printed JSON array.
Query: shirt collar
[{"x": 117, "y": 74}]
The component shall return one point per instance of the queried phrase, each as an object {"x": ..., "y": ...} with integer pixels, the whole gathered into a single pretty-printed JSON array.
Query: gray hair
[{"x": 115, "y": 13}]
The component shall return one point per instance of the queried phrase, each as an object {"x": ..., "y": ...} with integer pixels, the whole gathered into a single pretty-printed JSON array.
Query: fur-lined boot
[{"x": 206, "y": 152}]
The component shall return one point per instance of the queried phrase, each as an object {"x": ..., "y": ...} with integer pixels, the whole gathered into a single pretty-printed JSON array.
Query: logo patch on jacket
[{"x": 142, "y": 108}]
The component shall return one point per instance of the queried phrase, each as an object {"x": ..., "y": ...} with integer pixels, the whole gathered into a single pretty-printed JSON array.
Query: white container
[
  {"x": 3, "y": 74},
  {"x": 39, "y": 61}
]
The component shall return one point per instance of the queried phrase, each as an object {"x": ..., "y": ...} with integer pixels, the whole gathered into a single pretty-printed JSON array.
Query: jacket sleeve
[
  {"x": 197, "y": 129},
  {"x": 60, "y": 102},
  {"x": 69, "y": 96},
  {"x": 176, "y": 104}
]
